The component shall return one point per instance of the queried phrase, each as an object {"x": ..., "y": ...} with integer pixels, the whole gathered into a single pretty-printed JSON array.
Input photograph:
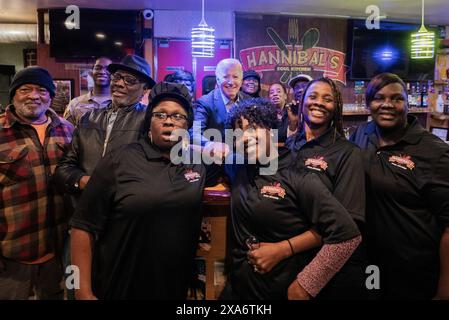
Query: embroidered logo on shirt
[
  {"x": 402, "y": 161},
  {"x": 273, "y": 191},
  {"x": 192, "y": 176},
  {"x": 316, "y": 163}
]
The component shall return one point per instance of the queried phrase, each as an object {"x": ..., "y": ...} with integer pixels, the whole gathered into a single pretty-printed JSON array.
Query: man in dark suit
[{"x": 211, "y": 110}]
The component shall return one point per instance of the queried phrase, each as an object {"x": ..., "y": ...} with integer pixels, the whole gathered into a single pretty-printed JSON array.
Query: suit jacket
[{"x": 210, "y": 111}]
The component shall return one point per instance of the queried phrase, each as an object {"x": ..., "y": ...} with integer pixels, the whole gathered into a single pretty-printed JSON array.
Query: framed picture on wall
[
  {"x": 63, "y": 94},
  {"x": 29, "y": 57},
  {"x": 442, "y": 67}
]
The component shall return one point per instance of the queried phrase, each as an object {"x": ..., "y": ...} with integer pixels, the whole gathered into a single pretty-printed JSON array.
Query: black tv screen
[
  {"x": 110, "y": 33},
  {"x": 386, "y": 50}
]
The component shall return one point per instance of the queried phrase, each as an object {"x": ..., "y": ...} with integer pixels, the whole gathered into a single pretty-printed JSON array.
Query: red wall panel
[{"x": 176, "y": 54}]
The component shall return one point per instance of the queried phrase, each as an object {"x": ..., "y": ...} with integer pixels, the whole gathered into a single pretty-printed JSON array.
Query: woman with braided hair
[{"x": 322, "y": 147}]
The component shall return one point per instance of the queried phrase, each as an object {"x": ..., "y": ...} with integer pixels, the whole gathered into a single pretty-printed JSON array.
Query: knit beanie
[{"x": 32, "y": 75}]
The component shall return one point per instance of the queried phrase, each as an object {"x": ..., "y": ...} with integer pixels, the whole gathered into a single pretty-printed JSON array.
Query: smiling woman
[
  {"x": 281, "y": 210},
  {"x": 322, "y": 148},
  {"x": 387, "y": 100},
  {"x": 408, "y": 192},
  {"x": 321, "y": 108}
]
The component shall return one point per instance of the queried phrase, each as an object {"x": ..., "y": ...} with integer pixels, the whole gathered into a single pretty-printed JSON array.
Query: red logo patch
[
  {"x": 191, "y": 175},
  {"x": 402, "y": 161},
  {"x": 273, "y": 191},
  {"x": 316, "y": 163}
]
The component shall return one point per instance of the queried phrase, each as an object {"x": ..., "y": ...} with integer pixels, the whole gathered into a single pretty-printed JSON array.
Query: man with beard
[
  {"x": 33, "y": 221},
  {"x": 103, "y": 130},
  {"x": 98, "y": 98}
]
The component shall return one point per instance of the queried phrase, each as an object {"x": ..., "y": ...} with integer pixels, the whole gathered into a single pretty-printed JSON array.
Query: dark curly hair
[
  {"x": 258, "y": 111},
  {"x": 337, "y": 119}
]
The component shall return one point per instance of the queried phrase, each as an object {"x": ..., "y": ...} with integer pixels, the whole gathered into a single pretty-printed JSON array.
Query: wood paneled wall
[{"x": 56, "y": 68}]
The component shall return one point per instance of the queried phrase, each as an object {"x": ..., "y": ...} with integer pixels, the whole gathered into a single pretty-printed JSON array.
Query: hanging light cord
[
  {"x": 202, "y": 22},
  {"x": 422, "y": 12},
  {"x": 202, "y": 10}
]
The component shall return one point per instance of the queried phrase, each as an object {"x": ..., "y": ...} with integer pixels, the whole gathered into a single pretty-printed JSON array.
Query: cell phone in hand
[{"x": 293, "y": 107}]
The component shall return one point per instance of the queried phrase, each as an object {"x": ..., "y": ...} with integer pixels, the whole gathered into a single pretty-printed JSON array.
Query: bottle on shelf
[
  {"x": 424, "y": 96},
  {"x": 359, "y": 91},
  {"x": 440, "y": 103},
  {"x": 431, "y": 87},
  {"x": 418, "y": 95},
  {"x": 446, "y": 100},
  {"x": 408, "y": 92},
  {"x": 412, "y": 96}
]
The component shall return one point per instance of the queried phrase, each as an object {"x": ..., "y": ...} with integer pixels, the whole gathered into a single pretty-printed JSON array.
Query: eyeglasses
[
  {"x": 129, "y": 81},
  {"x": 176, "y": 117}
]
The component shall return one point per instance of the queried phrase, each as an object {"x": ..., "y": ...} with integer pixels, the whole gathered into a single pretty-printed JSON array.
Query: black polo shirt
[
  {"x": 407, "y": 207},
  {"x": 339, "y": 164},
  {"x": 283, "y": 126},
  {"x": 146, "y": 215},
  {"x": 275, "y": 208}
]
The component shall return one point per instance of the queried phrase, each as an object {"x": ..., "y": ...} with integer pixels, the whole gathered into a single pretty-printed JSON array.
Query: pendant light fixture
[
  {"x": 423, "y": 41},
  {"x": 203, "y": 39}
]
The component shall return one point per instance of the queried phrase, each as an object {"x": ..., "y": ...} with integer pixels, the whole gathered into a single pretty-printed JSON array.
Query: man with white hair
[{"x": 211, "y": 110}]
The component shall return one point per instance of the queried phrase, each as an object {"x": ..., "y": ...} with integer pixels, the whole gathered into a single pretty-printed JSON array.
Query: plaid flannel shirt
[{"x": 33, "y": 221}]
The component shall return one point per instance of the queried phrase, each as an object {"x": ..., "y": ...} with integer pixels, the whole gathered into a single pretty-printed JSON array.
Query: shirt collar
[
  {"x": 136, "y": 106},
  {"x": 11, "y": 117},
  {"x": 91, "y": 97},
  {"x": 226, "y": 100},
  {"x": 286, "y": 157},
  {"x": 151, "y": 152},
  {"x": 413, "y": 132},
  {"x": 324, "y": 140}
]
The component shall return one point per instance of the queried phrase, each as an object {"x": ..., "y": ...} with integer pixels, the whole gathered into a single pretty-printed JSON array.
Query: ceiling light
[
  {"x": 203, "y": 39},
  {"x": 423, "y": 41}
]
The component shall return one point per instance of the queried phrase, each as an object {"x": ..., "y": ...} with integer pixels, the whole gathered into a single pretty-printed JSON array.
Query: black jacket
[{"x": 89, "y": 141}]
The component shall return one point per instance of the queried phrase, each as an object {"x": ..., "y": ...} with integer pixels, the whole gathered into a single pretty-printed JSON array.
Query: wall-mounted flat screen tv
[
  {"x": 111, "y": 33},
  {"x": 386, "y": 50}
]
